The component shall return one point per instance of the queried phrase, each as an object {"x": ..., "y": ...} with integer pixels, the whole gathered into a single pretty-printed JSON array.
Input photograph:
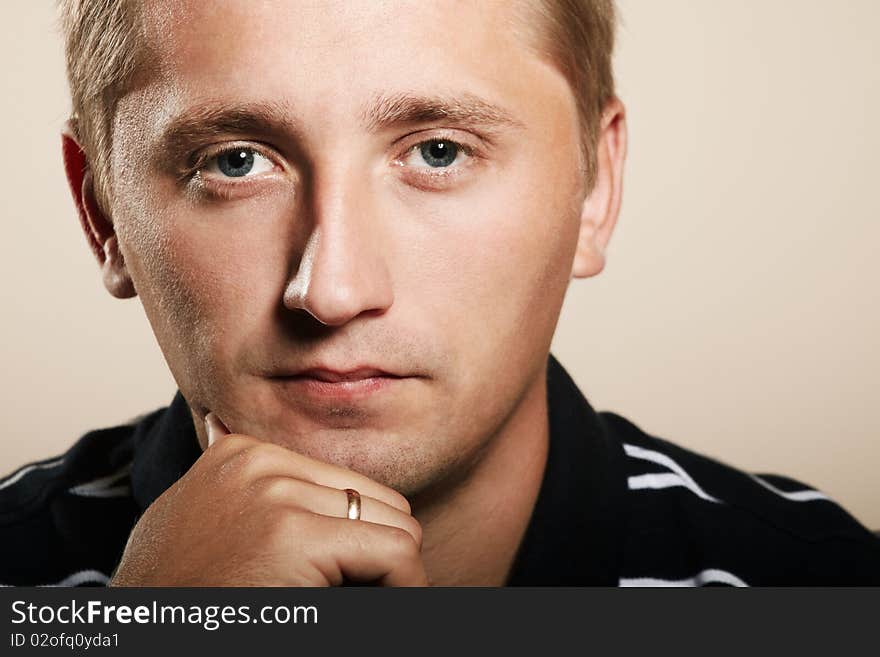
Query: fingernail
[{"x": 209, "y": 427}]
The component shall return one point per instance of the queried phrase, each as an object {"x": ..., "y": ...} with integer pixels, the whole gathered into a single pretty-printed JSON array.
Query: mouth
[
  {"x": 320, "y": 384},
  {"x": 348, "y": 389},
  {"x": 337, "y": 376}
]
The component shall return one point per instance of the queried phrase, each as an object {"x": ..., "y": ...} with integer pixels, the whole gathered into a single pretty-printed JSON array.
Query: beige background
[{"x": 738, "y": 314}]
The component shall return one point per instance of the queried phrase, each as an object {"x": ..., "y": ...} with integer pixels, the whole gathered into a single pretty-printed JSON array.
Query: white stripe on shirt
[
  {"x": 700, "y": 579},
  {"x": 662, "y": 459},
  {"x": 795, "y": 496},
  {"x": 21, "y": 472},
  {"x": 656, "y": 480},
  {"x": 101, "y": 487},
  {"x": 77, "y": 578},
  {"x": 81, "y": 577}
]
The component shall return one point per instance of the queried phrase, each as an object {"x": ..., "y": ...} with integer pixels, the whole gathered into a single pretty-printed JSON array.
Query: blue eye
[
  {"x": 238, "y": 162},
  {"x": 438, "y": 152}
]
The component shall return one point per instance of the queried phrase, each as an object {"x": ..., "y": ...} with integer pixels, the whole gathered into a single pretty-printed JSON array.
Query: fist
[{"x": 251, "y": 513}]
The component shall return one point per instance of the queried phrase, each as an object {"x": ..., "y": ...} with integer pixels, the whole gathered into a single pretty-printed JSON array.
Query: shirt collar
[
  {"x": 575, "y": 531},
  {"x": 165, "y": 447}
]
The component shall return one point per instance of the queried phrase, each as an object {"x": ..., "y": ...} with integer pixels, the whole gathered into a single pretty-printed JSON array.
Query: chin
[{"x": 403, "y": 462}]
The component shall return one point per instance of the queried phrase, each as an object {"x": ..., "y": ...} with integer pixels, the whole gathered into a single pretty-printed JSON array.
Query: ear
[
  {"x": 601, "y": 207},
  {"x": 96, "y": 225}
]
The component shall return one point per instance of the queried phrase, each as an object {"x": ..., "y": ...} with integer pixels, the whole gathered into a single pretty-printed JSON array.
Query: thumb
[{"x": 216, "y": 429}]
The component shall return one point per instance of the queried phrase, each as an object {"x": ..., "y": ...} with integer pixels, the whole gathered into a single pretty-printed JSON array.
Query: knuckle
[
  {"x": 401, "y": 543},
  {"x": 415, "y": 529},
  {"x": 402, "y": 501},
  {"x": 229, "y": 448},
  {"x": 284, "y": 523},
  {"x": 234, "y": 443},
  {"x": 223, "y": 448},
  {"x": 247, "y": 462},
  {"x": 273, "y": 487}
]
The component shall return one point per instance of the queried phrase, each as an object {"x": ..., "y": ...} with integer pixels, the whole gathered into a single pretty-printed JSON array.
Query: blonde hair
[
  {"x": 578, "y": 37},
  {"x": 102, "y": 43},
  {"x": 104, "y": 48}
]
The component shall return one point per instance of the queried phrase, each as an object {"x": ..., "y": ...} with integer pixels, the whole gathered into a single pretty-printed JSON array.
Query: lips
[
  {"x": 335, "y": 376},
  {"x": 316, "y": 387}
]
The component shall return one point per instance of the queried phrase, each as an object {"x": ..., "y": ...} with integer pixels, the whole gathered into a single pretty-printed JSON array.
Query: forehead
[{"x": 326, "y": 57}]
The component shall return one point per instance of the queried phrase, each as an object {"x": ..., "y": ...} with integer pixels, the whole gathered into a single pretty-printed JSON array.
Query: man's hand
[{"x": 250, "y": 513}]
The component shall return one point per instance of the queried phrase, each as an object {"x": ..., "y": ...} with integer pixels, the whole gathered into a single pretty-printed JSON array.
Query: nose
[{"x": 342, "y": 271}]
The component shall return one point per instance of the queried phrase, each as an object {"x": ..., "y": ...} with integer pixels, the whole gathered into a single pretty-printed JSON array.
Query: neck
[{"x": 472, "y": 530}]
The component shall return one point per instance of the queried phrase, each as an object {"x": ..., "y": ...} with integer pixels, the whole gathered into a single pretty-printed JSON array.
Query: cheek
[
  {"x": 483, "y": 274},
  {"x": 205, "y": 273},
  {"x": 489, "y": 271},
  {"x": 506, "y": 259}
]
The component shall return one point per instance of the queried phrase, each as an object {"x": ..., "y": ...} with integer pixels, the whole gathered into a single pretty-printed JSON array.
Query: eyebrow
[
  {"x": 385, "y": 111},
  {"x": 209, "y": 120}
]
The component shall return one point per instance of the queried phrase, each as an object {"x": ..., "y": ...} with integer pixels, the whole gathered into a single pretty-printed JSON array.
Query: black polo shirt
[{"x": 617, "y": 507}]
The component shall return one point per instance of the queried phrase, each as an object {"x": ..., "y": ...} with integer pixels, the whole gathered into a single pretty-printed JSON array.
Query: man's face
[{"x": 333, "y": 235}]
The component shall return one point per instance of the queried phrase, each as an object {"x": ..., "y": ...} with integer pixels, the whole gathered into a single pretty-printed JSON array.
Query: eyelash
[
  {"x": 224, "y": 187},
  {"x": 429, "y": 178}
]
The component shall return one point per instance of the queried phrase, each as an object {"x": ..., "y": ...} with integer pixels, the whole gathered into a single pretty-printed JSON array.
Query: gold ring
[{"x": 354, "y": 504}]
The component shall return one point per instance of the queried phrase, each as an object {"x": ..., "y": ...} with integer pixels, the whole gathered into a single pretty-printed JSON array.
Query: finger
[
  {"x": 333, "y": 502},
  {"x": 215, "y": 427},
  {"x": 331, "y": 476},
  {"x": 365, "y": 552}
]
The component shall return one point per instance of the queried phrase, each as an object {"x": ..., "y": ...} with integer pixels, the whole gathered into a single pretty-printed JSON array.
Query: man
[{"x": 352, "y": 227}]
